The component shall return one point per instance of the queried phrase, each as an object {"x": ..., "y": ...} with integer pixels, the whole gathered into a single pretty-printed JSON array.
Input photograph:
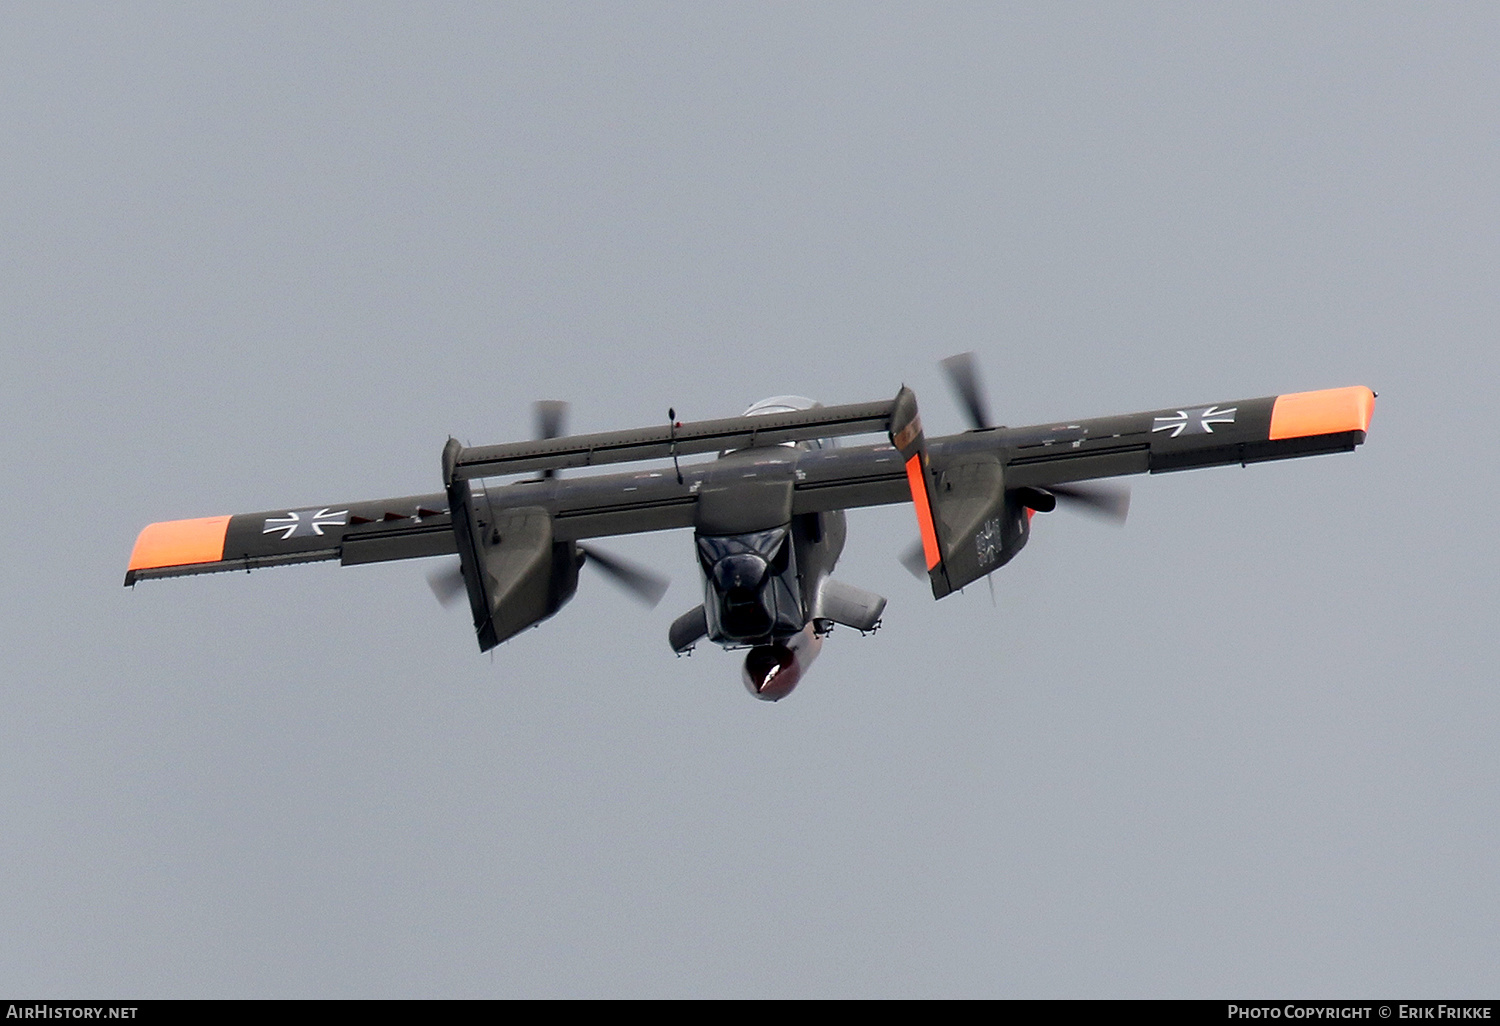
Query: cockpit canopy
[
  {"x": 768, "y": 546},
  {"x": 781, "y": 404},
  {"x": 750, "y": 581},
  {"x": 790, "y": 404}
]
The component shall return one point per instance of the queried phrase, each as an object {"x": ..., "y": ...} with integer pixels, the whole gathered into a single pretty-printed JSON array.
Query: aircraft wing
[
  {"x": 794, "y": 480},
  {"x": 353, "y": 532},
  {"x": 1205, "y": 435},
  {"x": 580, "y": 507},
  {"x": 577, "y": 507}
]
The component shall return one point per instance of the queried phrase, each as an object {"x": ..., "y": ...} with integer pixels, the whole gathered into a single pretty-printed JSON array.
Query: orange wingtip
[
  {"x": 1327, "y": 412},
  {"x": 179, "y": 543}
]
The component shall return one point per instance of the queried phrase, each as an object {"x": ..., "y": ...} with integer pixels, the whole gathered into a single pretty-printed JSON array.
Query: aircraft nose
[
  {"x": 742, "y": 572},
  {"x": 771, "y": 671}
]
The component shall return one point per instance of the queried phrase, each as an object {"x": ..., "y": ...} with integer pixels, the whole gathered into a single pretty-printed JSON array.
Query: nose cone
[{"x": 771, "y": 671}]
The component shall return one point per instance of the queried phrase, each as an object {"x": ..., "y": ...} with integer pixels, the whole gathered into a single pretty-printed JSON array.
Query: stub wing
[{"x": 356, "y": 532}]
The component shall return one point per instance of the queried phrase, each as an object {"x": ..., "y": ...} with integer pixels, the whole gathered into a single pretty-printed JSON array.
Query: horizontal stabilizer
[{"x": 664, "y": 441}]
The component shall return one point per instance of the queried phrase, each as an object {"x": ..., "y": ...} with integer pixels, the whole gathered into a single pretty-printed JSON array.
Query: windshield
[{"x": 765, "y": 544}]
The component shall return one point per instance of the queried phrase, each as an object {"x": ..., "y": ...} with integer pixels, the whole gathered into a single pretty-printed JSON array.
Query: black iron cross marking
[
  {"x": 1194, "y": 422},
  {"x": 305, "y": 523}
]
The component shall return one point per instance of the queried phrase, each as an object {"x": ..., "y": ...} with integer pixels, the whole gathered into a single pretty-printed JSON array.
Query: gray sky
[{"x": 1244, "y": 746}]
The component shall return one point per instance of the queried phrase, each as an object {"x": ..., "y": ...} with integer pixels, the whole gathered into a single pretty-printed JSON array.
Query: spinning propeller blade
[
  {"x": 963, "y": 375},
  {"x": 646, "y": 585},
  {"x": 1101, "y": 501},
  {"x": 915, "y": 560},
  {"x": 447, "y": 583},
  {"x": 1107, "y": 502},
  {"x": 551, "y": 416}
]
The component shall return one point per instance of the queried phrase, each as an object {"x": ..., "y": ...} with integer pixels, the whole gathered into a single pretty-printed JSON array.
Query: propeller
[
  {"x": 1109, "y": 502},
  {"x": 550, "y": 416},
  {"x": 1106, "y": 502},
  {"x": 915, "y": 560},
  {"x": 963, "y": 375},
  {"x": 646, "y": 585},
  {"x": 447, "y": 581}
]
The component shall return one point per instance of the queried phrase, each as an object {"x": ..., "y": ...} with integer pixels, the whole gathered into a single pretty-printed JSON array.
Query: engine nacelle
[{"x": 772, "y": 671}]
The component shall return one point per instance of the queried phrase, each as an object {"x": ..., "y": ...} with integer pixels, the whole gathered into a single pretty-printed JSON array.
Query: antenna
[{"x": 672, "y": 430}]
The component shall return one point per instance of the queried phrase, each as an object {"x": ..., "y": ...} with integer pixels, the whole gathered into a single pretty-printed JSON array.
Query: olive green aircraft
[{"x": 767, "y": 511}]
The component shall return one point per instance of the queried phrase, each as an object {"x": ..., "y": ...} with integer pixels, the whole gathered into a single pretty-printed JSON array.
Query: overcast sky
[{"x": 263, "y": 255}]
